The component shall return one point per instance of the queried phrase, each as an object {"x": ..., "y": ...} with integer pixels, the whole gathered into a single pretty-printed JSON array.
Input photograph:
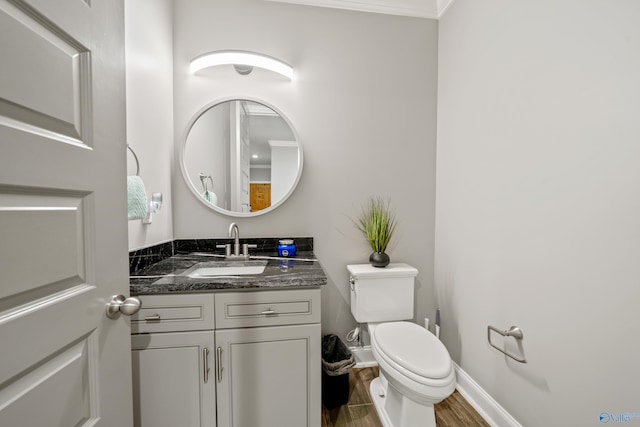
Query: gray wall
[
  {"x": 538, "y": 207},
  {"x": 207, "y": 152},
  {"x": 364, "y": 106},
  {"x": 149, "y": 70}
]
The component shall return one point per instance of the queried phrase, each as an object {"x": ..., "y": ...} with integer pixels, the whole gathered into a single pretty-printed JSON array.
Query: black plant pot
[{"x": 379, "y": 259}]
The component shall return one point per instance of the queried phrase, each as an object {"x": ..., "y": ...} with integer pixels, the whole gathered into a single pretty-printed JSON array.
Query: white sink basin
[{"x": 207, "y": 269}]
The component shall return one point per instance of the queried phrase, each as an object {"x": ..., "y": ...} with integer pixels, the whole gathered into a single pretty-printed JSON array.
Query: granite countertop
[{"x": 164, "y": 277}]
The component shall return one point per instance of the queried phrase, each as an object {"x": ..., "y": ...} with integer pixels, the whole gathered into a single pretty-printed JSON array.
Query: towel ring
[
  {"x": 514, "y": 332},
  {"x": 135, "y": 157}
]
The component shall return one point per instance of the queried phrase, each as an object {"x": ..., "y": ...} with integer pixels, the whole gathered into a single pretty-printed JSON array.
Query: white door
[
  {"x": 63, "y": 246},
  {"x": 240, "y": 157}
]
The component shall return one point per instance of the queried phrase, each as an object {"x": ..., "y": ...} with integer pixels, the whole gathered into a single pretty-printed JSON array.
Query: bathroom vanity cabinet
[
  {"x": 241, "y": 359},
  {"x": 172, "y": 352}
]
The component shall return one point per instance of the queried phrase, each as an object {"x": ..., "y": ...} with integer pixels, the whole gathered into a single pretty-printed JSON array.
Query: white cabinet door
[
  {"x": 63, "y": 229},
  {"x": 269, "y": 376},
  {"x": 174, "y": 380}
]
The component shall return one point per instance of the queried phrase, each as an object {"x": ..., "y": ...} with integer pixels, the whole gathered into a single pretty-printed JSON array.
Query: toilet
[{"x": 416, "y": 371}]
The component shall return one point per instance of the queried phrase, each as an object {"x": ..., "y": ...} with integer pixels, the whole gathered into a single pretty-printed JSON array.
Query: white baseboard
[{"x": 481, "y": 401}]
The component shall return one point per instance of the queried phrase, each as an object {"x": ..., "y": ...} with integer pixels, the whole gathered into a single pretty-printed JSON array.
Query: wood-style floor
[{"x": 360, "y": 412}]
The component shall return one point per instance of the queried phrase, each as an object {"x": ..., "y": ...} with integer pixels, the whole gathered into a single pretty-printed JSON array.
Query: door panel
[
  {"x": 260, "y": 196},
  {"x": 53, "y": 95},
  {"x": 62, "y": 214},
  {"x": 64, "y": 374},
  {"x": 57, "y": 242}
]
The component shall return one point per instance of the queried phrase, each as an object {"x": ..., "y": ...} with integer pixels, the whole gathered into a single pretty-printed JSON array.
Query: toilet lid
[{"x": 413, "y": 348}]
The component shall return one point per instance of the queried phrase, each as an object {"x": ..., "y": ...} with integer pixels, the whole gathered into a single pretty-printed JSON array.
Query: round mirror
[{"x": 241, "y": 157}]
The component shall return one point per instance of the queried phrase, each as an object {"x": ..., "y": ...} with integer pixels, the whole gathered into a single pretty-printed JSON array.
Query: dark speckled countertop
[{"x": 164, "y": 277}]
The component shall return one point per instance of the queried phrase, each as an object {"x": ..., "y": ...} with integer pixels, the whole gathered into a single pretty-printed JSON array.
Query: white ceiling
[{"x": 432, "y": 9}]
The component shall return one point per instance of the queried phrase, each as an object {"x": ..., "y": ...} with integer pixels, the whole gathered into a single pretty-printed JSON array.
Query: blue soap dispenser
[{"x": 286, "y": 248}]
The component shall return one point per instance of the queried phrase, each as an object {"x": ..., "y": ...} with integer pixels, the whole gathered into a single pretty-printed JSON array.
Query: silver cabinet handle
[
  {"x": 268, "y": 311},
  {"x": 205, "y": 360},
  {"x": 153, "y": 317},
  {"x": 121, "y": 304},
  {"x": 219, "y": 363}
]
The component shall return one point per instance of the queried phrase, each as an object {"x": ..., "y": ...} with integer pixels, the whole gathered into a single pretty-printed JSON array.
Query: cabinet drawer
[
  {"x": 267, "y": 308},
  {"x": 173, "y": 313}
]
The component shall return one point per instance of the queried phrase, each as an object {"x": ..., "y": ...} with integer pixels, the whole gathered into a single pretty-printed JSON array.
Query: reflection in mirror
[{"x": 241, "y": 158}]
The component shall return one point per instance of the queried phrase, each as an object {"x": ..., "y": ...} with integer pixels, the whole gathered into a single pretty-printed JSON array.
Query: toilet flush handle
[{"x": 352, "y": 281}]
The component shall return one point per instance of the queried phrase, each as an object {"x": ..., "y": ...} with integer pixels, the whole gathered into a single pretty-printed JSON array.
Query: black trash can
[{"x": 336, "y": 362}]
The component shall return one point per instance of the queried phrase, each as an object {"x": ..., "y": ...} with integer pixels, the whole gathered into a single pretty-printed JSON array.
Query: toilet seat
[{"x": 413, "y": 351}]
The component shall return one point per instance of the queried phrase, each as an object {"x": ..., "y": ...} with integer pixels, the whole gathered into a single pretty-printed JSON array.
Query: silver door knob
[{"x": 124, "y": 305}]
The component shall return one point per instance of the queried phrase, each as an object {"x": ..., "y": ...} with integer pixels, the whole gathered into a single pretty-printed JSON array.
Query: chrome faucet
[{"x": 234, "y": 232}]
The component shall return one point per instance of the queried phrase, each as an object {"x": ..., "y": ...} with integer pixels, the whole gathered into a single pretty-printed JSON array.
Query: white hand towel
[
  {"x": 210, "y": 197},
  {"x": 136, "y": 198}
]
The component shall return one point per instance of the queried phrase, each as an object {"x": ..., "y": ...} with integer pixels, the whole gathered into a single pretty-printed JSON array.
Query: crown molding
[
  {"x": 443, "y": 5},
  {"x": 430, "y": 9}
]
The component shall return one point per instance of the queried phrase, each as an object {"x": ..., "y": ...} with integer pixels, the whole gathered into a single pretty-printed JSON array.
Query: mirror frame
[{"x": 193, "y": 187}]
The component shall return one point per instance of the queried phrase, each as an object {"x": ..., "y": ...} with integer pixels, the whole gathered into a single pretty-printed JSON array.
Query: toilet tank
[{"x": 382, "y": 294}]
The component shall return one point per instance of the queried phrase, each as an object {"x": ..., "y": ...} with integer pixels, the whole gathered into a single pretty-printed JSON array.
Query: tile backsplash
[{"x": 142, "y": 258}]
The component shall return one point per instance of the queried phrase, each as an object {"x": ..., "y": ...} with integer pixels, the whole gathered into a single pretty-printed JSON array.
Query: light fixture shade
[{"x": 239, "y": 57}]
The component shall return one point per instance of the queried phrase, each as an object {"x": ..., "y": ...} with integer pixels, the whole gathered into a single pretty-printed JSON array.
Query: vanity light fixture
[{"x": 243, "y": 62}]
